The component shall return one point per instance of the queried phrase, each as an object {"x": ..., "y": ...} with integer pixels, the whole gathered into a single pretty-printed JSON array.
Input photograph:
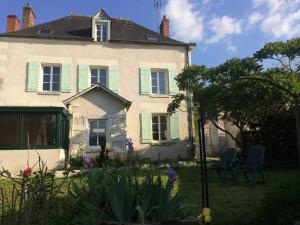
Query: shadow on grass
[{"x": 230, "y": 204}]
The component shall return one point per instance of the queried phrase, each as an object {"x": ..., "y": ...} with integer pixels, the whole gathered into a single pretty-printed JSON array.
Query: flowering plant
[
  {"x": 129, "y": 145},
  {"x": 87, "y": 161},
  {"x": 27, "y": 172},
  {"x": 172, "y": 177}
]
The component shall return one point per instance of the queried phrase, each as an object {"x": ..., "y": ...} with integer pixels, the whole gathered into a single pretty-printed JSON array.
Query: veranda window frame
[{"x": 61, "y": 115}]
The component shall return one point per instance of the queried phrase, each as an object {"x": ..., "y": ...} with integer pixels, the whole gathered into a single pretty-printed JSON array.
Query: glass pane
[
  {"x": 154, "y": 128},
  {"x": 93, "y": 139},
  {"x": 47, "y": 70},
  {"x": 55, "y": 87},
  {"x": 56, "y": 78},
  {"x": 46, "y": 86},
  {"x": 154, "y": 119},
  {"x": 163, "y": 119},
  {"x": 56, "y": 70},
  {"x": 103, "y": 81},
  {"x": 10, "y": 126},
  {"x": 94, "y": 72},
  {"x": 39, "y": 130},
  {"x": 155, "y": 137},
  {"x": 93, "y": 125},
  {"x": 162, "y": 90},
  {"x": 46, "y": 78},
  {"x": 154, "y": 90},
  {"x": 103, "y": 72},
  {"x": 102, "y": 128},
  {"x": 94, "y": 80},
  {"x": 161, "y": 77},
  {"x": 163, "y": 136},
  {"x": 63, "y": 132}
]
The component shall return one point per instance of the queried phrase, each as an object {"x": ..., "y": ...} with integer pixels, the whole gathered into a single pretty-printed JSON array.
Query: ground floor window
[
  {"x": 159, "y": 127},
  {"x": 32, "y": 128},
  {"x": 97, "y": 132}
]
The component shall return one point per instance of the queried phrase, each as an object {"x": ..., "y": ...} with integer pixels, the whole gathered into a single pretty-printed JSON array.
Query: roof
[
  {"x": 125, "y": 101},
  {"x": 75, "y": 27}
]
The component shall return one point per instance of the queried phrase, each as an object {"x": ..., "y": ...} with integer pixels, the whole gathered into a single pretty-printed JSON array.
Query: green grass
[{"x": 230, "y": 204}]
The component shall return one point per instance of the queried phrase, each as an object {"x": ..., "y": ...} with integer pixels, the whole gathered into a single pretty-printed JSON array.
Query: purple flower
[
  {"x": 87, "y": 161},
  {"x": 172, "y": 177},
  {"x": 129, "y": 145}
]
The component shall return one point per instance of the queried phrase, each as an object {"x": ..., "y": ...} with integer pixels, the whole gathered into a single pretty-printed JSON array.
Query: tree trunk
[{"x": 297, "y": 115}]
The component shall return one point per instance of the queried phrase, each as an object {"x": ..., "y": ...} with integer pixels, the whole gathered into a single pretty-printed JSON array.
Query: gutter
[{"x": 189, "y": 45}]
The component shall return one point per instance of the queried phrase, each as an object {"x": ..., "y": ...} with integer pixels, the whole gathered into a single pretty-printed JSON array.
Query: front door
[{"x": 97, "y": 136}]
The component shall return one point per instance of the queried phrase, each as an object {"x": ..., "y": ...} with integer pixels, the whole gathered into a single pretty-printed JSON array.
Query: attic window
[
  {"x": 101, "y": 31},
  {"x": 152, "y": 38},
  {"x": 45, "y": 32}
]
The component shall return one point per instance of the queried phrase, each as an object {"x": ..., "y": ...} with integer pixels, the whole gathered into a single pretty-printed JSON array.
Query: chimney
[
  {"x": 12, "y": 23},
  {"x": 164, "y": 27},
  {"x": 28, "y": 18}
]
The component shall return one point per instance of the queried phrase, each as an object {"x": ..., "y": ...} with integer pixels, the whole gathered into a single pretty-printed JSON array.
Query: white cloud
[
  {"x": 185, "y": 21},
  {"x": 223, "y": 27},
  {"x": 254, "y": 18},
  {"x": 231, "y": 48},
  {"x": 205, "y": 2},
  {"x": 282, "y": 17}
]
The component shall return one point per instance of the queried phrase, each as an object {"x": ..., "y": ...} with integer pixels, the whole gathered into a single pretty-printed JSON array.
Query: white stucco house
[{"x": 84, "y": 81}]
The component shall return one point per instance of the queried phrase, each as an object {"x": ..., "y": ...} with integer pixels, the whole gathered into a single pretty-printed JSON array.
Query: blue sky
[{"x": 222, "y": 29}]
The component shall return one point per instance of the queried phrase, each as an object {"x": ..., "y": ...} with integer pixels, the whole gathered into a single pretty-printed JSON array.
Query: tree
[
  {"x": 286, "y": 56},
  {"x": 234, "y": 92}
]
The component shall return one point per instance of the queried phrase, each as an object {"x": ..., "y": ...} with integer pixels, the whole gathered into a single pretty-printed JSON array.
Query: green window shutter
[
  {"x": 174, "y": 127},
  {"x": 83, "y": 77},
  {"x": 113, "y": 78},
  {"x": 173, "y": 88},
  {"x": 146, "y": 127},
  {"x": 145, "y": 78},
  {"x": 33, "y": 76},
  {"x": 65, "y": 83}
]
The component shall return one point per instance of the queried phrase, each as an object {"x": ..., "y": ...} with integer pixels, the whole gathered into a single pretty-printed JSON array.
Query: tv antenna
[{"x": 157, "y": 5}]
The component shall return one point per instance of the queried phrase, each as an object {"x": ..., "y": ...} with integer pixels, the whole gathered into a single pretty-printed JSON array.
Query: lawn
[{"x": 230, "y": 204}]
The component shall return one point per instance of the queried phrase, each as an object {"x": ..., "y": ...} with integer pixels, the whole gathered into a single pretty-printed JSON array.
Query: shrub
[{"x": 282, "y": 203}]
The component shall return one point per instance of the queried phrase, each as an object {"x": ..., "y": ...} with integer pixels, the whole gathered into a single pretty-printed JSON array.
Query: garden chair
[
  {"x": 226, "y": 163},
  {"x": 254, "y": 164}
]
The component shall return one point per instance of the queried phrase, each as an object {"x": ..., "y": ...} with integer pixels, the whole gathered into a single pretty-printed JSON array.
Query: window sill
[
  {"x": 48, "y": 93},
  {"x": 164, "y": 143},
  {"x": 158, "y": 96}
]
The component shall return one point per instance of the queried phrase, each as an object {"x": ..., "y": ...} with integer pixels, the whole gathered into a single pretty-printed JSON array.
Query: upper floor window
[
  {"x": 99, "y": 76},
  {"x": 101, "y": 32},
  {"x": 51, "y": 78},
  {"x": 159, "y": 127},
  {"x": 158, "y": 82}
]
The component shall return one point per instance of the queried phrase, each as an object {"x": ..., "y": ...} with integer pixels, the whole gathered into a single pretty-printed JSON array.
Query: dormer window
[
  {"x": 101, "y": 26},
  {"x": 101, "y": 31}
]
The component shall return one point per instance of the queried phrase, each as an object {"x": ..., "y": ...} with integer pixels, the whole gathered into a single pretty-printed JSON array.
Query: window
[
  {"x": 23, "y": 128},
  {"x": 101, "y": 32},
  {"x": 51, "y": 78},
  {"x": 99, "y": 76},
  {"x": 39, "y": 130},
  {"x": 10, "y": 125},
  {"x": 158, "y": 82},
  {"x": 97, "y": 134},
  {"x": 45, "y": 32},
  {"x": 159, "y": 127}
]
